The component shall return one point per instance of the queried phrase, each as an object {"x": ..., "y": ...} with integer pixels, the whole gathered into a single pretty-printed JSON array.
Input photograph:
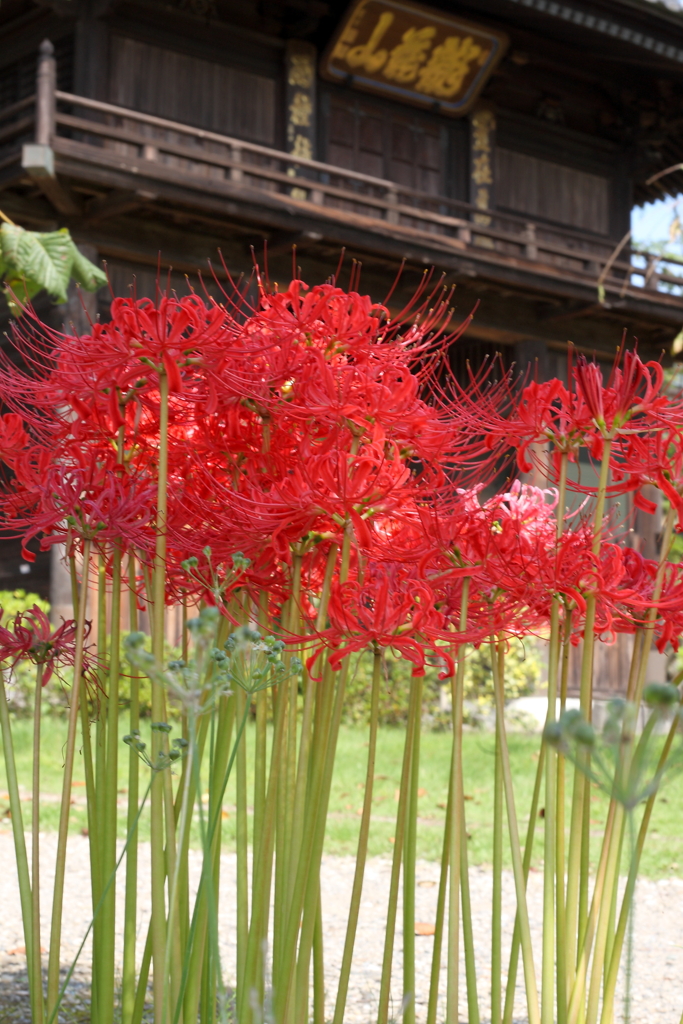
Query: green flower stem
[
  {"x": 468, "y": 933},
  {"x": 516, "y": 853},
  {"x": 298, "y": 770},
  {"x": 37, "y": 988},
  {"x": 285, "y": 864},
  {"x": 90, "y": 790},
  {"x": 435, "y": 975},
  {"x": 549, "y": 829},
  {"x": 642, "y": 646},
  {"x": 241, "y": 709},
  {"x": 143, "y": 978},
  {"x": 91, "y": 798},
  {"x": 612, "y": 924},
  {"x": 308, "y": 877},
  {"x": 455, "y": 836},
  {"x": 579, "y": 835},
  {"x": 260, "y": 756},
  {"x": 130, "y": 911},
  {"x": 611, "y": 883},
  {"x": 19, "y": 848},
  {"x": 106, "y": 951},
  {"x": 389, "y": 934},
  {"x": 612, "y": 970},
  {"x": 304, "y": 804},
  {"x": 307, "y": 881},
  {"x": 98, "y": 908},
  {"x": 172, "y": 935},
  {"x": 364, "y": 833},
  {"x": 211, "y": 832},
  {"x": 172, "y": 992},
  {"x": 635, "y": 664},
  {"x": 280, "y": 904},
  {"x": 467, "y": 929},
  {"x": 220, "y": 767},
  {"x": 548, "y": 969},
  {"x": 607, "y": 879},
  {"x": 158, "y": 711},
  {"x": 318, "y": 969},
  {"x": 497, "y": 880},
  {"x": 409, "y": 867},
  {"x": 323, "y": 719},
  {"x": 302, "y": 773},
  {"x": 100, "y": 705},
  {"x": 579, "y": 985},
  {"x": 67, "y": 776},
  {"x": 189, "y": 768},
  {"x": 526, "y": 864},
  {"x": 290, "y": 798},
  {"x": 560, "y": 840},
  {"x": 262, "y": 868}
]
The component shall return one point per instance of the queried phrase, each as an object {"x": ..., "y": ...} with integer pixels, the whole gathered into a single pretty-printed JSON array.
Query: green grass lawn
[{"x": 663, "y": 852}]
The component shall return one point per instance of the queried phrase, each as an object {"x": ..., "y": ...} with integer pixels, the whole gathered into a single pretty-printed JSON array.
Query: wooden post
[
  {"x": 530, "y": 247},
  {"x": 392, "y": 210},
  {"x": 46, "y": 85},
  {"x": 235, "y": 171},
  {"x": 38, "y": 158},
  {"x": 651, "y": 273}
]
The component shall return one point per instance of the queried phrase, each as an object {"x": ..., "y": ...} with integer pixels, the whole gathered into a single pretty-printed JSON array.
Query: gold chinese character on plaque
[
  {"x": 406, "y": 59},
  {"x": 301, "y": 71},
  {"x": 301, "y": 147},
  {"x": 301, "y": 110},
  {"x": 413, "y": 53}
]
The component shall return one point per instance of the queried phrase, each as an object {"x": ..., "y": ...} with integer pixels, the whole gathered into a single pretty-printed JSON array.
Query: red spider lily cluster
[{"x": 328, "y": 443}]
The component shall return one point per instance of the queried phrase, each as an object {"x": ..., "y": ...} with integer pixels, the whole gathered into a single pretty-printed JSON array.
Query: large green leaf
[
  {"x": 43, "y": 257},
  {"x": 86, "y": 273},
  {"x": 33, "y": 260}
]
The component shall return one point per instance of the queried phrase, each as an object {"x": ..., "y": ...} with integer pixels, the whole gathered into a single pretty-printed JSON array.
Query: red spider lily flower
[
  {"x": 669, "y": 622},
  {"x": 63, "y": 501},
  {"x": 31, "y": 636},
  {"x": 390, "y": 609},
  {"x": 13, "y": 438},
  {"x": 632, "y": 393}
]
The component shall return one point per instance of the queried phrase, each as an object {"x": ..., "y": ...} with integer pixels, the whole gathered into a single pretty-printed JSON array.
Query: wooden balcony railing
[{"x": 89, "y": 137}]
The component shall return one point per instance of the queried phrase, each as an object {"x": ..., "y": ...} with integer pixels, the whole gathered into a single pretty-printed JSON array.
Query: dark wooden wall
[
  {"x": 185, "y": 88},
  {"x": 387, "y": 140},
  {"x": 553, "y": 191}
]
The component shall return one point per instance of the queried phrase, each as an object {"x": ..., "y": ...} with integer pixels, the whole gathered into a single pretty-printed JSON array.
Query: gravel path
[{"x": 658, "y": 971}]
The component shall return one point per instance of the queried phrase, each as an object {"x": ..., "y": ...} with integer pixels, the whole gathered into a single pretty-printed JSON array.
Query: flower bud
[
  {"x": 661, "y": 695},
  {"x": 552, "y": 734}
]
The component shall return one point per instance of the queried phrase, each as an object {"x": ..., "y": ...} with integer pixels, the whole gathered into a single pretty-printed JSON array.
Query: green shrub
[
  {"x": 14, "y": 601},
  {"x": 523, "y": 671}
]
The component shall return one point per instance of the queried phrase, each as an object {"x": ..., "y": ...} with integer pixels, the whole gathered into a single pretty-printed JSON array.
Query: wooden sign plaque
[{"x": 414, "y": 54}]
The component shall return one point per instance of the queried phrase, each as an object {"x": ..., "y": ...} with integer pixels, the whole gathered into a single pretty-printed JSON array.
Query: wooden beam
[
  {"x": 118, "y": 202},
  {"x": 549, "y": 314},
  {"x": 282, "y": 242},
  {"x": 38, "y": 161}
]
